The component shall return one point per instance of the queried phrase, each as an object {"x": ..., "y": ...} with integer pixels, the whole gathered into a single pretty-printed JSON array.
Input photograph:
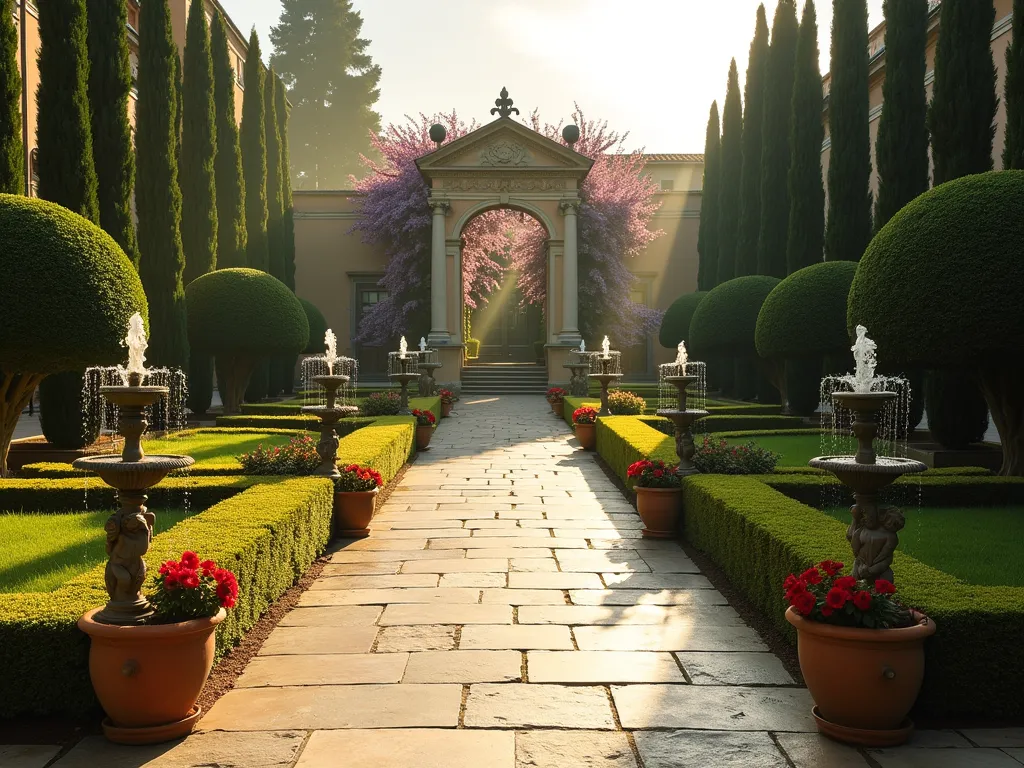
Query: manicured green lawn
[
  {"x": 39, "y": 552},
  {"x": 210, "y": 447},
  {"x": 980, "y": 545},
  {"x": 795, "y": 450}
]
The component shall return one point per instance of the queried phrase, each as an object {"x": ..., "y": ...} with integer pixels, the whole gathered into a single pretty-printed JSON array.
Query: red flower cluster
[
  {"x": 584, "y": 415},
  {"x": 555, "y": 394},
  {"x": 190, "y": 589},
  {"x": 424, "y": 418},
  {"x": 653, "y": 474},
  {"x": 820, "y": 593},
  {"x": 447, "y": 396},
  {"x": 356, "y": 478}
]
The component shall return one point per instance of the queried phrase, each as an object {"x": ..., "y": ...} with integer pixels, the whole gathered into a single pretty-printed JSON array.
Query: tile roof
[{"x": 674, "y": 157}]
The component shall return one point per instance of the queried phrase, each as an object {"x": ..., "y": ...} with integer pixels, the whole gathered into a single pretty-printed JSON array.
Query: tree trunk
[
  {"x": 233, "y": 374},
  {"x": 15, "y": 392},
  {"x": 1004, "y": 392}
]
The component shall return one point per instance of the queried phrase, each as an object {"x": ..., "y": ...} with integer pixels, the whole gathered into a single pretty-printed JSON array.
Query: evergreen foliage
[
  {"x": 317, "y": 328},
  {"x": 158, "y": 197},
  {"x": 675, "y": 325},
  {"x": 901, "y": 149},
  {"x": 198, "y": 148},
  {"x": 775, "y": 159},
  {"x": 254, "y": 159},
  {"x": 725, "y": 320},
  {"x": 707, "y": 235},
  {"x": 67, "y": 175},
  {"x": 278, "y": 374},
  {"x": 849, "y": 163},
  {"x": 333, "y": 84},
  {"x": 750, "y": 181},
  {"x": 963, "y": 109},
  {"x": 12, "y": 150},
  {"x": 731, "y": 165},
  {"x": 806, "y": 237},
  {"x": 229, "y": 182},
  {"x": 288, "y": 221},
  {"x": 1013, "y": 149},
  {"x": 110, "y": 83}
]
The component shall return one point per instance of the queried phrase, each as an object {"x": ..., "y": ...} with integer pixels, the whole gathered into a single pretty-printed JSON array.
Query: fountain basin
[
  {"x": 138, "y": 397},
  {"x": 326, "y": 381},
  {"x": 132, "y": 475},
  {"x": 864, "y": 402},
  {"x": 867, "y": 478}
]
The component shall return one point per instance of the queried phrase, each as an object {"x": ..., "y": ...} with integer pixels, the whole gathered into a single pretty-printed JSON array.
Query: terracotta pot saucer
[
  {"x": 154, "y": 734},
  {"x": 864, "y": 737},
  {"x": 357, "y": 533}
]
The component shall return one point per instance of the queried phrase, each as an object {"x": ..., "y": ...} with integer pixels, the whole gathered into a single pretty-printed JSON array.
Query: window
[
  {"x": 369, "y": 298},
  {"x": 667, "y": 185},
  {"x": 239, "y": 72},
  {"x": 33, "y": 170}
]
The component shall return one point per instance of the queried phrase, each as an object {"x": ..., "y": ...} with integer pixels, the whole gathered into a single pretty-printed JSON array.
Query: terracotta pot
[
  {"x": 587, "y": 435},
  {"x": 659, "y": 509},
  {"x": 557, "y": 408},
  {"x": 863, "y": 681},
  {"x": 148, "y": 678},
  {"x": 423, "y": 435},
  {"x": 446, "y": 408},
  {"x": 353, "y": 511}
]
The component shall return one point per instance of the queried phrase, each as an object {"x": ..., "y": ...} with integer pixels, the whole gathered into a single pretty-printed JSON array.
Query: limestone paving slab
[
  {"x": 390, "y": 581},
  {"x": 451, "y": 613},
  {"x": 331, "y": 669},
  {"x": 420, "y": 637},
  {"x": 647, "y": 597},
  {"x": 714, "y": 708},
  {"x": 387, "y": 596},
  {"x": 416, "y": 748},
  {"x": 524, "y": 596},
  {"x": 361, "y": 569},
  {"x": 373, "y": 544},
  {"x": 682, "y": 636},
  {"x": 528, "y": 553},
  {"x": 431, "y": 533},
  {"x": 494, "y": 542},
  {"x": 995, "y": 737},
  {"x": 27, "y": 755},
  {"x": 611, "y": 615},
  {"x": 922, "y": 757},
  {"x": 735, "y": 669},
  {"x": 601, "y": 561},
  {"x": 404, "y": 705},
  {"x": 602, "y": 667},
  {"x": 332, "y": 616},
  {"x": 404, "y": 555},
  {"x": 271, "y": 749},
  {"x": 481, "y": 580},
  {"x": 655, "y": 581},
  {"x": 286, "y": 641},
  {"x": 812, "y": 750},
  {"x": 532, "y": 564},
  {"x": 477, "y": 565},
  {"x": 554, "y": 581},
  {"x": 464, "y": 666},
  {"x": 530, "y": 705},
  {"x": 573, "y": 749},
  {"x": 696, "y": 749},
  {"x": 516, "y": 637}
]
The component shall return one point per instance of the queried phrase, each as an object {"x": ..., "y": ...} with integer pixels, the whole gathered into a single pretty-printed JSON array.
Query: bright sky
[{"x": 650, "y": 67}]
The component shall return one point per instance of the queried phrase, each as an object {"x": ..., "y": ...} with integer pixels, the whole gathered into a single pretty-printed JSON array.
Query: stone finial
[{"x": 503, "y": 105}]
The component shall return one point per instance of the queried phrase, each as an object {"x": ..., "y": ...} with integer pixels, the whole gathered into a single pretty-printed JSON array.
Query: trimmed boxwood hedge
[
  {"x": 675, "y": 325},
  {"x": 725, "y": 321},
  {"x": 267, "y": 535}
]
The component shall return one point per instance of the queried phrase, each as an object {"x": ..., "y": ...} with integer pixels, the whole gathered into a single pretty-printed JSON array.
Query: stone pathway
[{"x": 506, "y": 613}]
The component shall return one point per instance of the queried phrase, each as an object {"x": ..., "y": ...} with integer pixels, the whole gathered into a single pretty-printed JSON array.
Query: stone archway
[{"x": 503, "y": 164}]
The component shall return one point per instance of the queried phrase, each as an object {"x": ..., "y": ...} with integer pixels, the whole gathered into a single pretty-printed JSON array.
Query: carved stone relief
[
  {"x": 504, "y": 153},
  {"x": 484, "y": 184}
]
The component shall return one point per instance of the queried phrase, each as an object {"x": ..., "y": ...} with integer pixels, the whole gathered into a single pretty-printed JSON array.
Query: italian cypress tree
[
  {"x": 901, "y": 149},
  {"x": 731, "y": 172},
  {"x": 198, "y": 148},
  {"x": 775, "y": 159},
  {"x": 157, "y": 195},
  {"x": 750, "y": 178},
  {"x": 110, "y": 82},
  {"x": 961, "y": 119},
  {"x": 275, "y": 212},
  {"x": 1013, "y": 150},
  {"x": 707, "y": 234},
  {"x": 287, "y": 216},
  {"x": 67, "y": 176},
  {"x": 849, "y": 165},
  {"x": 254, "y": 159},
  {"x": 198, "y": 191},
  {"x": 806, "y": 192},
  {"x": 229, "y": 182},
  {"x": 12, "y": 149}
]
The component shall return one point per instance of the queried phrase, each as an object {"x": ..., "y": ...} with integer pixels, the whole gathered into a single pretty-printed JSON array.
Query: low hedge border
[
  {"x": 293, "y": 419},
  {"x": 385, "y": 446},
  {"x": 621, "y": 440},
  {"x": 267, "y": 535},
  {"x": 294, "y": 407},
  {"x": 933, "y": 490}
]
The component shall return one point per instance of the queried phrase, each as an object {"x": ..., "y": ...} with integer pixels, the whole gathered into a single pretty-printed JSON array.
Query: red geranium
[
  {"x": 846, "y": 582},
  {"x": 884, "y": 587},
  {"x": 653, "y": 474},
  {"x": 830, "y": 567},
  {"x": 355, "y": 478},
  {"x": 862, "y": 599},
  {"x": 424, "y": 418},
  {"x": 821, "y": 594},
  {"x": 811, "y": 576},
  {"x": 189, "y": 589},
  {"x": 836, "y": 598},
  {"x": 555, "y": 394},
  {"x": 584, "y": 415},
  {"x": 804, "y": 603}
]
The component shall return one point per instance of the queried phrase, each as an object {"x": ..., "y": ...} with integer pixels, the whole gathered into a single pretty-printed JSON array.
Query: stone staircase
[{"x": 504, "y": 379}]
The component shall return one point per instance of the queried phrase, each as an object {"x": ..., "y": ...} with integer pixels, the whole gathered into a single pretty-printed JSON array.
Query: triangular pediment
[{"x": 504, "y": 144}]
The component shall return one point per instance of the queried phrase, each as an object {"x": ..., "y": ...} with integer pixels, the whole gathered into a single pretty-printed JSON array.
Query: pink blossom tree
[{"x": 614, "y": 223}]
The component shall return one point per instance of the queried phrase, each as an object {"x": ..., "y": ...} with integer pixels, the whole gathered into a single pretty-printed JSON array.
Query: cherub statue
[
  {"x": 864, "y": 357},
  {"x": 874, "y": 547},
  {"x": 128, "y": 540}
]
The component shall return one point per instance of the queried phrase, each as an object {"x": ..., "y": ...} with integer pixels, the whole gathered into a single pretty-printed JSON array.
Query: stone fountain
[
  {"x": 130, "y": 529},
  {"x": 606, "y": 376},
  {"x": 682, "y": 417},
  {"x": 578, "y": 366},
  {"x": 427, "y": 363},
  {"x": 404, "y": 375},
  {"x": 330, "y": 412},
  {"x": 873, "y": 534}
]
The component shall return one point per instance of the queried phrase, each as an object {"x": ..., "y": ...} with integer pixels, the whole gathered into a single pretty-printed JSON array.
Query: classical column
[
  {"x": 438, "y": 277},
  {"x": 570, "y": 276}
]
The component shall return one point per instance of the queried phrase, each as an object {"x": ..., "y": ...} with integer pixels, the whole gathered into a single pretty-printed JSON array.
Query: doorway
[{"x": 506, "y": 326}]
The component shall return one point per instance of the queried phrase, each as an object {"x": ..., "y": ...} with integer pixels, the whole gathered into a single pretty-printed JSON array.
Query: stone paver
[
  {"x": 27, "y": 755},
  {"x": 503, "y": 613}
]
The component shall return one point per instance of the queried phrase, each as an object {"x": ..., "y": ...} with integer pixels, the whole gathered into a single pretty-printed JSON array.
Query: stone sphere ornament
[
  {"x": 571, "y": 134},
  {"x": 438, "y": 133}
]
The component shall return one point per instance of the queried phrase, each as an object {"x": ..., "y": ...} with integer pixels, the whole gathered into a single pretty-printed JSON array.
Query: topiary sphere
[
  {"x": 244, "y": 312},
  {"x": 66, "y": 288},
  {"x": 317, "y": 327},
  {"x": 675, "y": 325},
  {"x": 725, "y": 320},
  {"x": 805, "y": 314},
  {"x": 942, "y": 284}
]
